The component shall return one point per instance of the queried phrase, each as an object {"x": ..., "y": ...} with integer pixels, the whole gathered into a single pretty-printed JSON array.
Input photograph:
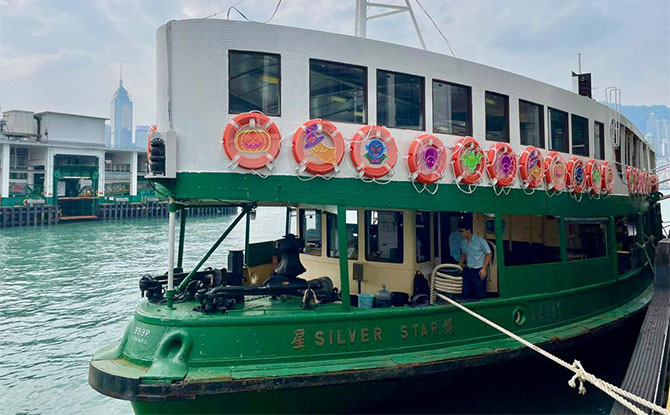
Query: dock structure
[
  {"x": 30, "y": 215},
  {"x": 648, "y": 368}
]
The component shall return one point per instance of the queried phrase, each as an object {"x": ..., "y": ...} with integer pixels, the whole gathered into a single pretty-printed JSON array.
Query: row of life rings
[
  {"x": 252, "y": 141},
  {"x": 640, "y": 182}
]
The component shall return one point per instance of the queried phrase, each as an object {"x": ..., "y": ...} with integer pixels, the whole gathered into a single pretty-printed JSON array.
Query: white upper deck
[{"x": 193, "y": 93}]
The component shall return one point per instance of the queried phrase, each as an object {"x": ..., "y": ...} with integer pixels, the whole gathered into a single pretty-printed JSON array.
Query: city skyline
[{"x": 45, "y": 57}]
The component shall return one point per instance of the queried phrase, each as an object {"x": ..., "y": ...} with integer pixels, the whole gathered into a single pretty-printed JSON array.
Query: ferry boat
[{"x": 376, "y": 150}]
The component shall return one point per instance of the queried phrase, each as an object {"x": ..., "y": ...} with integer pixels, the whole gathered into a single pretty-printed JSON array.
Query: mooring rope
[{"x": 580, "y": 374}]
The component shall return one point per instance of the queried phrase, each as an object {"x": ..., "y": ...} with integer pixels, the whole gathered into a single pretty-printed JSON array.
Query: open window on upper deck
[
  {"x": 254, "y": 82},
  {"x": 497, "y": 117},
  {"x": 337, "y": 92},
  {"x": 400, "y": 100},
  {"x": 384, "y": 236},
  {"x": 558, "y": 130}
]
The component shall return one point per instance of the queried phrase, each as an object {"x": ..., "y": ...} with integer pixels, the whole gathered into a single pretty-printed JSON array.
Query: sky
[{"x": 65, "y": 55}]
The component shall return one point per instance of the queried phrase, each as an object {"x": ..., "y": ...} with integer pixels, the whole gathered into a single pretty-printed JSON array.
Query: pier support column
[
  {"x": 133, "y": 174},
  {"x": 342, "y": 246},
  {"x": 101, "y": 174},
  {"x": 169, "y": 294},
  {"x": 4, "y": 173}
]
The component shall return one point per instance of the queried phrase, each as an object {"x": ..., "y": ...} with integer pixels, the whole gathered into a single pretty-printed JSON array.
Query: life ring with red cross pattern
[
  {"x": 373, "y": 151},
  {"x": 427, "y": 159},
  {"x": 252, "y": 141},
  {"x": 318, "y": 147},
  {"x": 501, "y": 164},
  {"x": 468, "y": 160},
  {"x": 531, "y": 167},
  {"x": 554, "y": 172},
  {"x": 607, "y": 174}
]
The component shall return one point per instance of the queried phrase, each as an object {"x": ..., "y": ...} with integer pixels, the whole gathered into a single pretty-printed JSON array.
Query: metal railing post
[{"x": 342, "y": 246}]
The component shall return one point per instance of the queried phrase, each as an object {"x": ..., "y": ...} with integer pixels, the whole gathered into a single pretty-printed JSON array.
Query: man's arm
[
  {"x": 462, "y": 261},
  {"x": 487, "y": 261}
]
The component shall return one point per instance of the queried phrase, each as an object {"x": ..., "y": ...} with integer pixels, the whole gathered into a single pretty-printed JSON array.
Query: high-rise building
[
  {"x": 141, "y": 132},
  {"x": 121, "y": 119}
]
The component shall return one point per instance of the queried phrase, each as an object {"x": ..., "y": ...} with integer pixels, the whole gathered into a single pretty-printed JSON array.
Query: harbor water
[{"x": 67, "y": 290}]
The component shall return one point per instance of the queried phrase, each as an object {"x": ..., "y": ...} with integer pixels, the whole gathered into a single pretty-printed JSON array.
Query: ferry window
[
  {"x": 599, "y": 142},
  {"x": 310, "y": 231},
  {"x": 497, "y": 117},
  {"x": 586, "y": 239},
  {"x": 452, "y": 106},
  {"x": 580, "y": 135},
  {"x": 400, "y": 100},
  {"x": 558, "y": 130},
  {"x": 337, "y": 92},
  {"x": 626, "y": 235},
  {"x": 352, "y": 235},
  {"x": 254, "y": 83},
  {"x": 422, "y": 237},
  {"x": 531, "y": 240},
  {"x": 383, "y": 236},
  {"x": 531, "y": 124}
]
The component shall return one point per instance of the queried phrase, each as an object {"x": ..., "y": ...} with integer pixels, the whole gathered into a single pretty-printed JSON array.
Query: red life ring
[
  {"x": 576, "y": 179},
  {"x": 654, "y": 183},
  {"x": 251, "y": 140},
  {"x": 373, "y": 151},
  {"x": 594, "y": 179},
  {"x": 501, "y": 164},
  {"x": 530, "y": 167},
  {"x": 318, "y": 146},
  {"x": 607, "y": 174},
  {"x": 644, "y": 182},
  {"x": 630, "y": 179},
  {"x": 468, "y": 160},
  {"x": 151, "y": 130},
  {"x": 427, "y": 159},
  {"x": 554, "y": 172}
]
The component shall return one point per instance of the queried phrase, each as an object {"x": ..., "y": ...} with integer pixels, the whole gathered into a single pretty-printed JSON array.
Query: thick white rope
[{"x": 580, "y": 374}]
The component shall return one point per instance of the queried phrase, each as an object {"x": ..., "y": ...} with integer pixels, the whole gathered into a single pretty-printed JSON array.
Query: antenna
[{"x": 362, "y": 16}]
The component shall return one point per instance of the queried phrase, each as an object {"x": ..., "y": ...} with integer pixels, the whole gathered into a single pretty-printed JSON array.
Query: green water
[{"x": 69, "y": 289}]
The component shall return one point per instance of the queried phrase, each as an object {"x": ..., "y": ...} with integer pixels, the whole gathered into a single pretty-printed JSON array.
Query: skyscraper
[{"x": 121, "y": 118}]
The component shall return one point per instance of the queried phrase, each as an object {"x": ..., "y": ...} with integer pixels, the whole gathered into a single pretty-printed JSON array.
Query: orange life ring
[
  {"x": 318, "y": 146},
  {"x": 630, "y": 179},
  {"x": 427, "y": 159},
  {"x": 373, "y": 151},
  {"x": 575, "y": 178},
  {"x": 501, "y": 164},
  {"x": 654, "y": 183},
  {"x": 644, "y": 185},
  {"x": 607, "y": 175},
  {"x": 554, "y": 172},
  {"x": 530, "y": 167},
  {"x": 252, "y": 140},
  {"x": 151, "y": 130},
  {"x": 594, "y": 179},
  {"x": 468, "y": 160}
]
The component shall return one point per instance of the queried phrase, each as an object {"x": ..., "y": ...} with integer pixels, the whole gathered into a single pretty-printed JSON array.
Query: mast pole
[
  {"x": 416, "y": 25},
  {"x": 361, "y": 18},
  {"x": 171, "y": 233}
]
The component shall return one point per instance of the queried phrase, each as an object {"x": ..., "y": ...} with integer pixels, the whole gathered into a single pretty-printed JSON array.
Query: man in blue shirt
[
  {"x": 476, "y": 255},
  {"x": 455, "y": 241}
]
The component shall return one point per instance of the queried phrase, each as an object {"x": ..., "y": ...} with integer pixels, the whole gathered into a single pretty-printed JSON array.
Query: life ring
[
  {"x": 654, "y": 183},
  {"x": 373, "y": 151},
  {"x": 607, "y": 175},
  {"x": 318, "y": 146},
  {"x": 630, "y": 179},
  {"x": 25, "y": 202},
  {"x": 151, "y": 130},
  {"x": 427, "y": 159},
  {"x": 575, "y": 178},
  {"x": 530, "y": 167},
  {"x": 501, "y": 164},
  {"x": 252, "y": 141},
  {"x": 594, "y": 179},
  {"x": 554, "y": 172},
  {"x": 644, "y": 179},
  {"x": 468, "y": 160}
]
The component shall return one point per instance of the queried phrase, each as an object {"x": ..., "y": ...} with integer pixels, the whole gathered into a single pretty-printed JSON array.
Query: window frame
[
  {"x": 366, "y": 116},
  {"x": 301, "y": 215},
  {"x": 423, "y": 98},
  {"x": 367, "y": 221},
  {"x": 331, "y": 219},
  {"x": 605, "y": 227},
  {"x": 600, "y": 127},
  {"x": 253, "y": 52},
  {"x": 543, "y": 136},
  {"x": 567, "y": 130},
  {"x": 507, "y": 117},
  {"x": 469, "y": 89},
  {"x": 572, "y": 135}
]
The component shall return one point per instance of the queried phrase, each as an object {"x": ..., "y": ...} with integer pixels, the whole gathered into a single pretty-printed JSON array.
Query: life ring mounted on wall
[
  {"x": 318, "y": 147},
  {"x": 373, "y": 151},
  {"x": 252, "y": 141},
  {"x": 554, "y": 172},
  {"x": 575, "y": 177},
  {"x": 593, "y": 179},
  {"x": 607, "y": 174},
  {"x": 501, "y": 164},
  {"x": 531, "y": 168},
  {"x": 427, "y": 159},
  {"x": 468, "y": 161}
]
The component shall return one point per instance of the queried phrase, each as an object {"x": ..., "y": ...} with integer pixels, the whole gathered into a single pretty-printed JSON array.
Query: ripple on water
[{"x": 70, "y": 289}]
